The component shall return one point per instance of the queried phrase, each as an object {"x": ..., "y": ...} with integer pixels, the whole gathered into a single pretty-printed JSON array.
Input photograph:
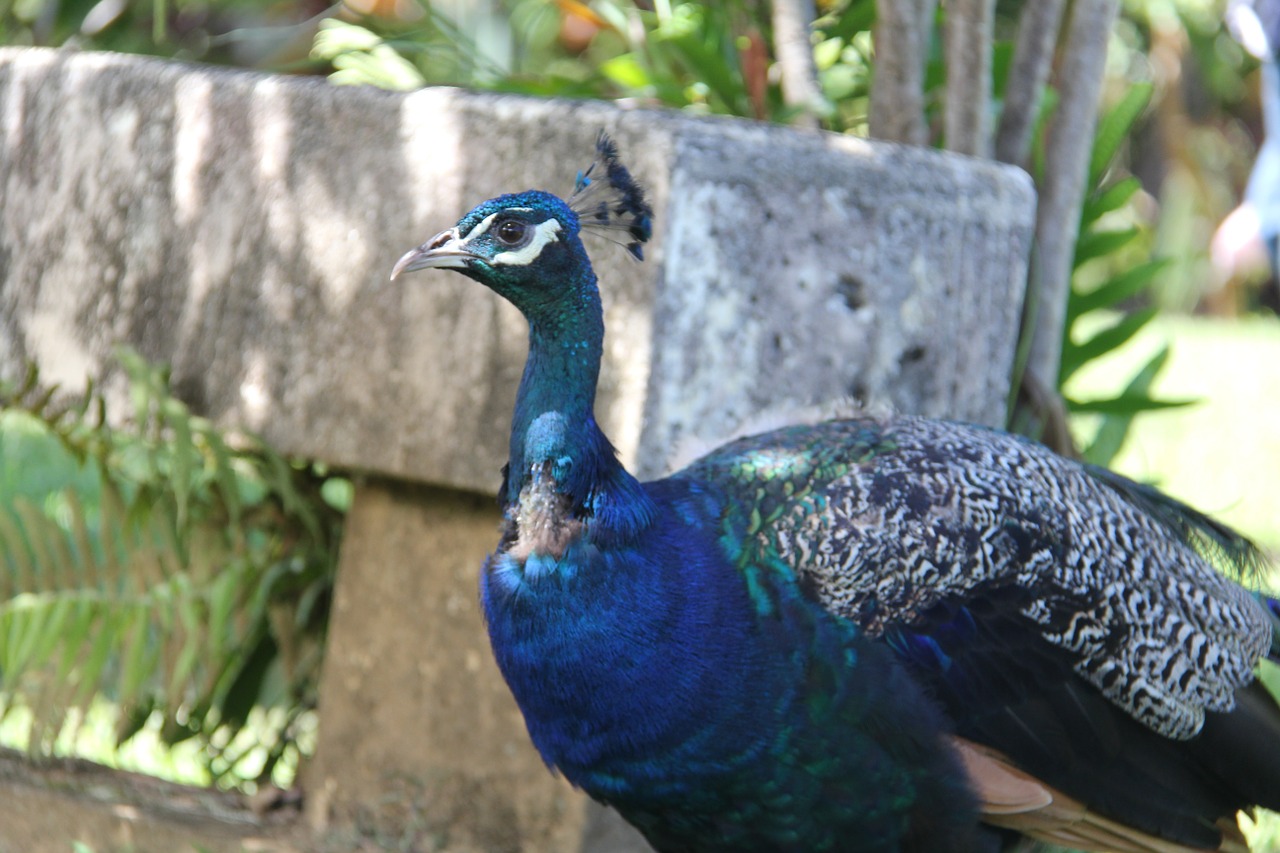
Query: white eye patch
[
  {"x": 481, "y": 226},
  {"x": 543, "y": 233}
]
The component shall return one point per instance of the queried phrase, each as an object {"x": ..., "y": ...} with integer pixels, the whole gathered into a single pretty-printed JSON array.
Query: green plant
[
  {"x": 1112, "y": 267},
  {"x": 162, "y": 564},
  {"x": 237, "y": 32},
  {"x": 698, "y": 56}
]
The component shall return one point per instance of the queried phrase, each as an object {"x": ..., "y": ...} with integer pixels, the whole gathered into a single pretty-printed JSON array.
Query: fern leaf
[
  {"x": 1126, "y": 285},
  {"x": 20, "y": 572},
  {"x": 1112, "y": 337},
  {"x": 1114, "y": 128},
  {"x": 183, "y": 455},
  {"x": 36, "y": 526},
  {"x": 1096, "y": 244},
  {"x": 148, "y": 581},
  {"x": 137, "y": 657},
  {"x": 1110, "y": 199}
]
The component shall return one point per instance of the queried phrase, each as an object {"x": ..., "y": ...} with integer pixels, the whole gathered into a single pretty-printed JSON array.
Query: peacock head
[{"x": 526, "y": 246}]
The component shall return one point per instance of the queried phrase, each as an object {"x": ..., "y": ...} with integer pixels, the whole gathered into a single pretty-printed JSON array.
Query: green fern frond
[{"x": 148, "y": 564}]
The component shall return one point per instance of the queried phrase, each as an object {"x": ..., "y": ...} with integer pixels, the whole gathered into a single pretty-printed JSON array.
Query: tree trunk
[
  {"x": 1066, "y": 163},
  {"x": 897, "y": 92},
  {"x": 1032, "y": 60},
  {"x": 791, "y": 27},
  {"x": 968, "y": 48}
]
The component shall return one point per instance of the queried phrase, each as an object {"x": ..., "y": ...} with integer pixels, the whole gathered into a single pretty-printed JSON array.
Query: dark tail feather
[
  {"x": 1227, "y": 549},
  {"x": 1242, "y": 748},
  {"x": 1272, "y": 606}
]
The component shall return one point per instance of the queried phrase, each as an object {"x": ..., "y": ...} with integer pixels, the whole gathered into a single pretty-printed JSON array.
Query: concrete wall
[{"x": 241, "y": 227}]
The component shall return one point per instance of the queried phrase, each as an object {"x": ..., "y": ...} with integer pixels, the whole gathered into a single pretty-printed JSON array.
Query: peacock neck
[
  {"x": 555, "y": 439},
  {"x": 559, "y": 377}
]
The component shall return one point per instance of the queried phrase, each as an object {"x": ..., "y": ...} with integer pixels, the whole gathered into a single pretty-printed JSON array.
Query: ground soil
[{"x": 73, "y": 806}]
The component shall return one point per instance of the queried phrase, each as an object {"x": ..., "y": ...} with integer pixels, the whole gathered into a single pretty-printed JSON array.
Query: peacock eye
[{"x": 511, "y": 231}]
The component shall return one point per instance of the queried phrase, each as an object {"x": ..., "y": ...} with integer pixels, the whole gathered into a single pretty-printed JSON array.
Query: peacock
[{"x": 876, "y": 633}]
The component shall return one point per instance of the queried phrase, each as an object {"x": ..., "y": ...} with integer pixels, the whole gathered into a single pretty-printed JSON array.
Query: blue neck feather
[
  {"x": 604, "y": 630},
  {"x": 554, "y": 421},
  {"x": 559, "y": 376}
]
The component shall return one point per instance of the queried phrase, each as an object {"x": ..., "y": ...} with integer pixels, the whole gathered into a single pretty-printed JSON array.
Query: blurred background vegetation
[{"x": 1171, "y": 368}]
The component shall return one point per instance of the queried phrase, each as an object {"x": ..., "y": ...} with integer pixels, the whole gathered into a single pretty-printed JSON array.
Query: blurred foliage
[
  {"x": 163, "y": 565},
  {"x": 1106, "y": 234},
  {"x": 706, "y": 57},
  {"x": 248, "y": 33},
  {"x": 1194, "y": 149}
]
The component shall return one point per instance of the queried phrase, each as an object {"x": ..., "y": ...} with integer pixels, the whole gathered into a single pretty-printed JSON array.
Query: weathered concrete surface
[
  {"x": 800, "y": 268},
  {"x": 241, "y": 227},
  {"x": 422, "y": 742}
]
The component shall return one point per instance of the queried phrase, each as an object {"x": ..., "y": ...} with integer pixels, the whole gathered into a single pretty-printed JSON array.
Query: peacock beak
[{"x": 443, "y": 251}]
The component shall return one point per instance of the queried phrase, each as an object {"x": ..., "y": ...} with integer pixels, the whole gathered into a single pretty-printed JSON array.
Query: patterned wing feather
[{"x": 885, "y": 521}]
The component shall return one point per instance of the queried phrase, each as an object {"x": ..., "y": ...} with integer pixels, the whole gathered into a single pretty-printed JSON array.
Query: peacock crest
[{"x": 608, "y": 200}]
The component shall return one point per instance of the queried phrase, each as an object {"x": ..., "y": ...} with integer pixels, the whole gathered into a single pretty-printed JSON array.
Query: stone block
[
  {"x": 420, "y": 739},
  {"x": 241, "y": 227}
]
